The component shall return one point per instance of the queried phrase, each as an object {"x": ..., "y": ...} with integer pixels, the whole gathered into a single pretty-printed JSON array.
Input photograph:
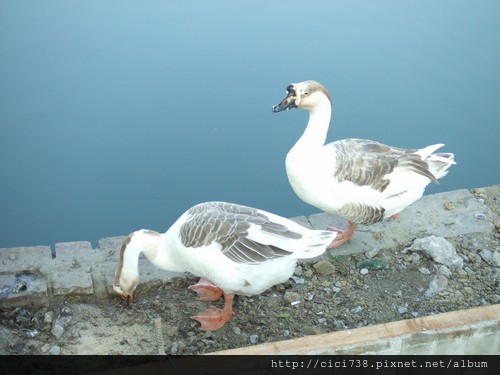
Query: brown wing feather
[
  {"x": 367, "y": 163},
  {"x": 228, "y": 224}
]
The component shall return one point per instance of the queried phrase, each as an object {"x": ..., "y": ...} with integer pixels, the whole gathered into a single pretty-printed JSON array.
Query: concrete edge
[{"x": 421, "y": 335}]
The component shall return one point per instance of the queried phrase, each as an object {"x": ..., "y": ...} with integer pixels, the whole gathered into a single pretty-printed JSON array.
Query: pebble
[
  {"x": 55, "y": 350},
  {"x": 66, "y": 311},
  {"x": 492, "y": 258},
  {"x": 308, "y": 273},
  {"x": 480, "y": 216},
  {"x": 439, "y": 249},
  {"x": 497, "y": 224},
  {"x": 173, "y": 349},
  {"x": 48, "y": 317},
  {"x": 310, "y": 296},
  {"x": 291, "y": 296},
  {"x": 57, "y": 331},
  {"x": 324, "y": 268},
  {"x": 445, "y": 271},
  {"x": 298, "y": 280},
  {"x": 45, "y": 348},
  {"x": 356, "y": 310},
  {"x": 424, "y": 270},
  {"x": 363, "y": 271},
  {"x": 335, "y": 289},
  {"x": 253, "y": 339},
  {"x": 415, "y": 314},
  {"x": 237, "y": 330},
  {"x": 438, "y": 283},
  {"x": 286, "y": 333},
  {"x": 402, "y": 309},
  {"x": 370, "y": 254},
  {"x": 12, "y": 257},
  {"x": 448, "y": 206},
  {"x": 322, "y": 320},
  {"x": 415, "y": 257}
]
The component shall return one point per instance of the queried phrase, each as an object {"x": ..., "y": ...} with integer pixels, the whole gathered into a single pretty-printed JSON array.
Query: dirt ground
[{"x": 332, "y": 294}]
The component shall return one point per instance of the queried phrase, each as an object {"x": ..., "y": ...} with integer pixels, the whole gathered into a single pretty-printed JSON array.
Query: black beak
[{"x": 288, "y": 102}]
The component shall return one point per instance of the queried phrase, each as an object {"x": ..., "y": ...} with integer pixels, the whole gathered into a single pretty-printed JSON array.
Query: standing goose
[
  {"x": 234, "y": 249},
  {"x": 361, "y": 180}
]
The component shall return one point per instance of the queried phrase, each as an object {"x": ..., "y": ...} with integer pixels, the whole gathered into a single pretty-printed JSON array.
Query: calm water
[{"x": 119, "y": 115}]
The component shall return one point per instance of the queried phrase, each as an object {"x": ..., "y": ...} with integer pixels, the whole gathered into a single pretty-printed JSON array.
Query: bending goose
[
  {"x": 234, "y": 249},
  {"x": 361, "y": 180}
]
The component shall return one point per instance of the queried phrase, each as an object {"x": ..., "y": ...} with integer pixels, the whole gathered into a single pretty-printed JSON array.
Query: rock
[
  {"x": 237, "y": 330},
  {"x": 445, "y": 271},
  {"x": 480, "y": 216},
  {"x": 48, "y": 317},
  {"x": 173, "y": 349},
  {"x": 298, "y": 280},
  {"x": 415, "y": 257},
  {"x": 253, "y": 339},
  {"x": 12, "y": 257},
  {"x": 402, "y": 309},
  {"x": 497, "y": 224},
  {"x": 424, "y": 270},
  {"x": 439, "y": 249},
  {"x": 363, "y": 271},
  {"x": 57, "y": 331},
  {"x": 448, "y": 206},
  {"x": 322, "y": 320},
  {"x": 490, "y": 257},
  {"x": 335, "y": 289},
  {"x": 356, "y": 310},
  {"x": 324, "y": 268},
  {"x": 286, "y": 333},
  {"x": 291, "y": 296},
  {"x": 55, "y": 350},
  {"x": 438, "y": 283},
  {"x": 371, "y": 253},
  {"x": 45, "y": 348}
]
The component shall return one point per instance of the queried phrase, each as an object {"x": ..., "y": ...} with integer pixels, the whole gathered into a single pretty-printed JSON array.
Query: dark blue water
[{"x": 119, "y": 115}]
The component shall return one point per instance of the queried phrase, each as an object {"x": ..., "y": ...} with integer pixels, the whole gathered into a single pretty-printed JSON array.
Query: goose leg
[
  {"x": 343, "y": 235},
  {"x": 206, "y": 290},
  {"x": 214, "y": 318}
]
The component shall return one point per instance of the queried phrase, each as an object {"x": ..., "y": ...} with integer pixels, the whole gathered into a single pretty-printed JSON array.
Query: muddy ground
[{"x": 331, "y": 294}]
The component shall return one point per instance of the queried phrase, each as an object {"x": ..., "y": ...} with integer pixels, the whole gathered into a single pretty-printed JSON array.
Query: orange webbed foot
[
  {"x": 214, "y": 318},
  {"x": 206, "y": 290},
  {"x": 342, "y": 235}
]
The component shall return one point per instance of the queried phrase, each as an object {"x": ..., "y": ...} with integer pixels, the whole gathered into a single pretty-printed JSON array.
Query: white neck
[{"x": 317, "y": 127}]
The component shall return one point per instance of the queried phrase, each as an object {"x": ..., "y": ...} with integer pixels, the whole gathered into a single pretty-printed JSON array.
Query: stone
[
  {"x": 424, "y": 270},
  {"x": 445, "y": 271},
  {"x": 55, "y": 350},
  {"x": 291, "y": 296},
  {"x": 490, "y": 257},
  {"x": 57, "y": 331},
  {"x": 253, "y": 339},
  {"x": 438, "y": 284},
  {"x": 363, "y": 271},
  {"x": 324, "y": 268},
  {"x": 45, "y": 348},
  {"x": 402, "y": 309},
  {"x": 48, "y": 317},
  {"x": 371, "y": 253},
  {"x": 438, "y": 249}
]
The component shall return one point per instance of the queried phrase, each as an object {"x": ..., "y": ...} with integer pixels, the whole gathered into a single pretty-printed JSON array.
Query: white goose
[
  {"x": 235, "y": 249},
  {"x": 361, "y": 180}
]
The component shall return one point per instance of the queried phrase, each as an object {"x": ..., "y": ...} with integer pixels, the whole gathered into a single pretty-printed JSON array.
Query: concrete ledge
[{"x": 472, "y": 331}]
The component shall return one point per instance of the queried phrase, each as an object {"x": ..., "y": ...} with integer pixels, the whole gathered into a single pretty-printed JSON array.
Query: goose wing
[
  {"x": 369, "y": 163},
  {"x": 231, "y": 227}
]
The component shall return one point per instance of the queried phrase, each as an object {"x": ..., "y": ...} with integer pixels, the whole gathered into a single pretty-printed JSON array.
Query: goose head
[
  {"x": 127, "y": 271},
  {"x": 308, "y": 95}
]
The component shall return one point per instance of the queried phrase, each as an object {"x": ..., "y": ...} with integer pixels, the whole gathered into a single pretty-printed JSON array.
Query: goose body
[
  {"x": 235, "y": 249},
  {"x": 361, "y": 180}
]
